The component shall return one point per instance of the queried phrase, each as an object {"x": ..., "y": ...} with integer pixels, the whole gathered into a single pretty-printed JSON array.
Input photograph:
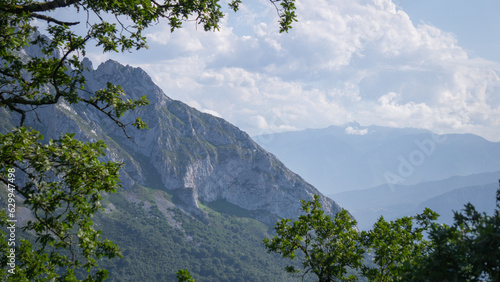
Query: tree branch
[
  {"x": 110, "y": 115},
  {"x": 40, "y": 7},
  {"x": 50, "y": 19},
  {"x": 15, "y": 109}
]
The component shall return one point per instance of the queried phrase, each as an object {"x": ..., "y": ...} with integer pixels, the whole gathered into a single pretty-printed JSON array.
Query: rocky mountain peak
[{"x": 192, "y": 155}]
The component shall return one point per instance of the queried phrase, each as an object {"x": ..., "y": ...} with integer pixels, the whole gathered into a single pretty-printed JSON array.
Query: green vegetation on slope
[{"x": 229, "y": 248}]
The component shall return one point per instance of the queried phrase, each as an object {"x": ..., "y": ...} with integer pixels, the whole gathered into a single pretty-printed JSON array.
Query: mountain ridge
[
  {"x": 197, "y": 192},
  {"x": 351, "y": 157},
  {"x": 407, "y": 200},
  {"x": 195, "y": 155}
]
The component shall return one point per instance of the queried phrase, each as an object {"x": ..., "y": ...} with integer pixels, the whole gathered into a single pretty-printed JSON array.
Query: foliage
[
  {"x": 229, "y": 248},
  {"x": 328, "y": 245},
  {"x": 397, "y": 246},
  {"x": 62, "y": 207},
  {"x": 61, "y": 180},
  {"x": 397, "y": 250},
  {"x": 469, "y": 250},
  {"x": 183, "y": 275}
]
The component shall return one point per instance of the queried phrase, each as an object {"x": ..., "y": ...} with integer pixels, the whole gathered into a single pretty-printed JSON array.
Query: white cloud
[
  {"x": 354, "y": 131},
  {"x": 361, "y": 60}
]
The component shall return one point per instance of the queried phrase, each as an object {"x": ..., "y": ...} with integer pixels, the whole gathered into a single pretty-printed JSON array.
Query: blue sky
[
  {"x": 475, "y": 23},
  {"x": 402, "y": 63}
]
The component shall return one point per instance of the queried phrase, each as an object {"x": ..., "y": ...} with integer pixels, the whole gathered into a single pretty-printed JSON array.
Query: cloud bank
[{"x": 362, "y": 60}]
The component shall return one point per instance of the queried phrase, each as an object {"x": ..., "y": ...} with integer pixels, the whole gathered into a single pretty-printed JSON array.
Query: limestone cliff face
[{"x": 194, "y": 155}]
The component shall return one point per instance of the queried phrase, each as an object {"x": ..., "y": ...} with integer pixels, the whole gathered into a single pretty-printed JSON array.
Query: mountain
[
  {"x": 442, "y": 196},
  {"x": 197, "y": 192},
  {"x": 481, "y": 196},
  {"x": 194, "y": 155},
  {"x": 350, "y": 157}
]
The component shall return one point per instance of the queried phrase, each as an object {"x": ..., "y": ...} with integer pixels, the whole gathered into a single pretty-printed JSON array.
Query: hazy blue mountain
[
  {"x": 198, "y": 193},
  {"x": 443, "y": 196},
  {"x": 481, "y": 196},
  {"x": 350, "y": 157}
]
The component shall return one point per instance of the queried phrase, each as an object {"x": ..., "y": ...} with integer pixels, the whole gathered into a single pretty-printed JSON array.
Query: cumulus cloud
[{"x": 361, "y": 60}]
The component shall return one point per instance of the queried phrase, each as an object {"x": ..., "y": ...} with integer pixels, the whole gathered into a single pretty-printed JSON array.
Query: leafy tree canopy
[
  {"x": 183, "y": 275},
  {"x": 396, "y": 246},
  {"x": 61, "y": 180},
  {"x": 406, "y": 249},
  {"x": 326, "y": 246},
  {"x": 468, "y": 250}
]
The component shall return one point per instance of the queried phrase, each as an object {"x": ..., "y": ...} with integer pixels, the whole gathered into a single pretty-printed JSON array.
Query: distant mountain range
[
  {"x": 350, "y": 157},
  {"x": 392, "y": 172},
  {"x": 443, "y": 197}
]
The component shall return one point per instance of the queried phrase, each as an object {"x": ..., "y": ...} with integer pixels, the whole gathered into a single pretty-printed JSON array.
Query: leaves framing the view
[
  {"x": 62, "y": 187},
  {"x": 325, "y": 245},
  {"x": 61, "y": 180},
  {"x": 412, "y": 248},
  {"x": 468, "y": 250},
  {"x": 397, "y": 246}
]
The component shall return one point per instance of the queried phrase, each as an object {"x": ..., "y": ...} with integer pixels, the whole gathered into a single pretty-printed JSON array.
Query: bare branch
[
  {"x": 41, "y": 7},
  {"x": 50, "y": 19}
]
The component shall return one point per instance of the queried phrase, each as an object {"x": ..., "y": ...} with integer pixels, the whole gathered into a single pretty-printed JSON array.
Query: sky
[{"x": 432, "y": 64}]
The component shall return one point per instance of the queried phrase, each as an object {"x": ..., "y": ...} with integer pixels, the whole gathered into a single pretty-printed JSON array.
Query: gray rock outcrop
[{"x": 194, "y": 155}]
